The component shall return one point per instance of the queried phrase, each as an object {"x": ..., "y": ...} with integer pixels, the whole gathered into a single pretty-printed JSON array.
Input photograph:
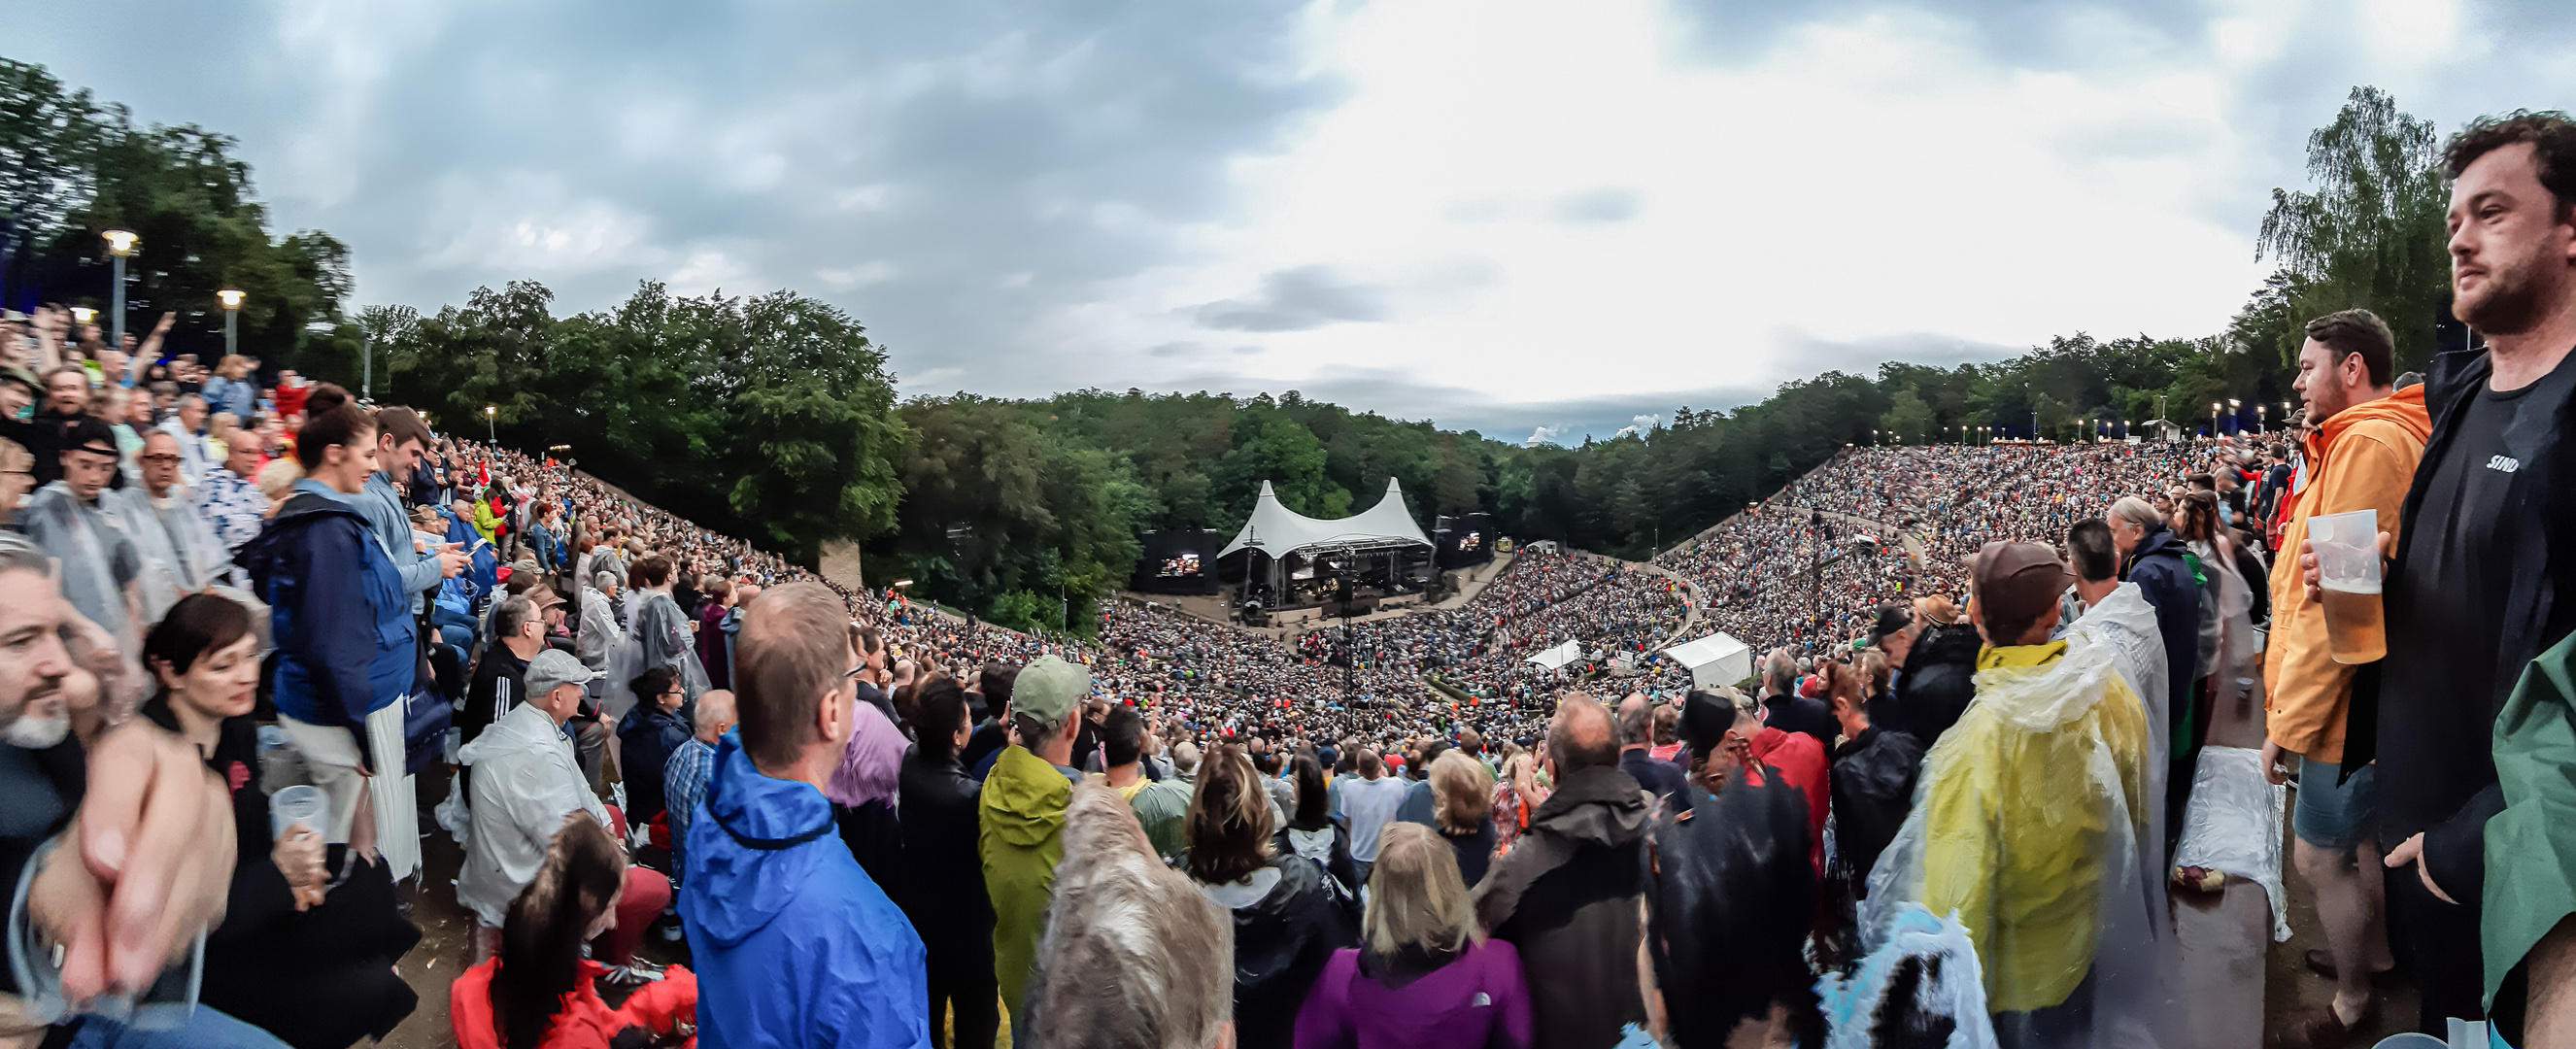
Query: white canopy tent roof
[
  {"x": 1714, "y": 661},
  {"x": 1276, "y": 530},
  {"x": 1556, "y": 658}
]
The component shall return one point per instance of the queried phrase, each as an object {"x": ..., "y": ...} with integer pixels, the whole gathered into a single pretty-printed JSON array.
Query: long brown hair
[
  {"x": 1228, "y": 824},
  {"x": 541, "y": 939}
]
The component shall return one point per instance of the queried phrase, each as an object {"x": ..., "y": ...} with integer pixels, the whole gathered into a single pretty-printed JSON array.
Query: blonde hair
[
  {"x": 1873, "y": 670},
  {"x": 280, "y": 475},
  {"x": 1416, "y": 896},
  {"x": 1461, "y": 792}
]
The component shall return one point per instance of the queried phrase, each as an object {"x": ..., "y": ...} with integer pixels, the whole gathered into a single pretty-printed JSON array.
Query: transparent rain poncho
[{"x": 2035, "y": 825}]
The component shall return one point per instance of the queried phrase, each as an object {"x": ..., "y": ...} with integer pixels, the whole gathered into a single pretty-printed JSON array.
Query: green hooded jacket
[
  {"x": 1020, "y": 816},
  {"x": 2531, "y": 845}
]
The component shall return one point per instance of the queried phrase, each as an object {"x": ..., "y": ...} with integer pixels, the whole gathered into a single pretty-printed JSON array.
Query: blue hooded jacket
[
  {"x": 793, "y": 944},
  {"x": 339, "y": 617}
]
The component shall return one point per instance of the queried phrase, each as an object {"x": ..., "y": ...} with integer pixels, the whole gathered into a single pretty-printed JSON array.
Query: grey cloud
[
  {"x": 1600, "y": 205},
  {"x": 1067, "y": 142},
  {"x": 1398, "y": 394},
  {"x": 1300, "y": 299}
]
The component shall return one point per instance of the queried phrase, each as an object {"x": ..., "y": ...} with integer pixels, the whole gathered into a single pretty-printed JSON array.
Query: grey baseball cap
[{"x": 553, "y": 667}]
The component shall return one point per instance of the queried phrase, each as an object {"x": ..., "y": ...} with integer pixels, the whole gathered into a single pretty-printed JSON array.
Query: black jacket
[
  {"x": 499, "y": 683},
  {"x": 2542, "y": 500},
  {"x": 317, "y": 979},
  {"x": 1280, "y": 943},
  {"x": 1940, "y": 678},
  {"x": 1873, "y": 789},
  {"x": 1568, "y": 894},
  {"x": 942, "y": 882},
  {"x": 1475, "y": 849},
  {"x": 1662, "y": 777},
  {"x": 1796, "y": 713},
  {"x": 2169, "y": 585},
  {"x": 646, "y": 738}
]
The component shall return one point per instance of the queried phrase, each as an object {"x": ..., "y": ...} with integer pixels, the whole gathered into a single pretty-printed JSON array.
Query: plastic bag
[{"x": 2233, "y": 824}]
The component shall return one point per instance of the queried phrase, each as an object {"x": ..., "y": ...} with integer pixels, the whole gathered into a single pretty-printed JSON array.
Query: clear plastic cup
[
  {"x": 2347, "y": 549},
  {"x": 297, "y": 804}
]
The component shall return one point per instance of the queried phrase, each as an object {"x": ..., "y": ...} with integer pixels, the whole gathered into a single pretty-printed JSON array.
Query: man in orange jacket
[{"x": 2361, "y": 455}]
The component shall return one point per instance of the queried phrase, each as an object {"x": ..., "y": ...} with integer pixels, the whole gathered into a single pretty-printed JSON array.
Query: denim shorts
[{"x": 2330, "y": 815}]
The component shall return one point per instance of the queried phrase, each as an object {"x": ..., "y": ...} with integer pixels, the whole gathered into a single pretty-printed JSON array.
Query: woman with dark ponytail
[{"x": 538, "y": 993}]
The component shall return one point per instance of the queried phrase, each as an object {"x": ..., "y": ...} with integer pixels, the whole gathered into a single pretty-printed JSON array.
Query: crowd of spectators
[{"x": 864, "y": 820}]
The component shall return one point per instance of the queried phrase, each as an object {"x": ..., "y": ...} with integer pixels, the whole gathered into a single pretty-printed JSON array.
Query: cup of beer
[{"x": 2347, "y": 549}]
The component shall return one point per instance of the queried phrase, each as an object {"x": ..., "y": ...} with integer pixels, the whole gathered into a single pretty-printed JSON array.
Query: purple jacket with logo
[{"x": 1476, "y": 1001}]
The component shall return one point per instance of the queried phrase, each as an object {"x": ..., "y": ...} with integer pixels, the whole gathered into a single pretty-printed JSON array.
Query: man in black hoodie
[{"x": 1569, "y": 890}]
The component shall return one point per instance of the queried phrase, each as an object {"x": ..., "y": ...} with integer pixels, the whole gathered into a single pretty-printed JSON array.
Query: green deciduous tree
[{"x": 2370, "y": 234}]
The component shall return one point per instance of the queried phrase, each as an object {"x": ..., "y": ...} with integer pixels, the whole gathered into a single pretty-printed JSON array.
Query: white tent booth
[
  {"x": 1714, "y": 661},
  {"x": 1556, "y": 658},
  {"x": 1293, "y": 561}
]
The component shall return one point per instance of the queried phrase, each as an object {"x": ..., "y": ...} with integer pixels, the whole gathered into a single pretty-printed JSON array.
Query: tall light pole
[
  {"x": 489, "y": 431},
  {"x": 2213, "y": 419},
  {"x": 120, "y": 243},
  {"x": 2235, "y": 415},
  {"x": 232, "y": 301},
  {"x": 2262, "y": 417}
]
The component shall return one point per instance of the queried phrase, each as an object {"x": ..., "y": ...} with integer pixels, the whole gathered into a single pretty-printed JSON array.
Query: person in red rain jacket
[{"x": 538, "y": 993}]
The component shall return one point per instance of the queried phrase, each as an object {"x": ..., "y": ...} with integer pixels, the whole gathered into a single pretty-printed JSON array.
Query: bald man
[
  {"x": 1570, "y": 890},
  {"x": 684, "y": 773}
]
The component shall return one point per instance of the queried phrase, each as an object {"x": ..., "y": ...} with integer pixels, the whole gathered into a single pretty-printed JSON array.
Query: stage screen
[
  {"x": 1177, "y": 561},
  {"x": 1469, "y": 541}
]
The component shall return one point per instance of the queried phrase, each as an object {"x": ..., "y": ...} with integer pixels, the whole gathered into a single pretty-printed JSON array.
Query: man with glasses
[
  {"x": 100, "y": 563},
  {"x": 181, "y": 555}
]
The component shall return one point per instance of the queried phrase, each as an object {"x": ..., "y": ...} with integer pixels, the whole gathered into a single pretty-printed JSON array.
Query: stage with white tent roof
[{"x": 1290, "y": 560}]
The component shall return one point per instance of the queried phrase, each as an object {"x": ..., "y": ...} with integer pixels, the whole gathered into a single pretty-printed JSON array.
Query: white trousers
[{"x": 333, "y": 759}]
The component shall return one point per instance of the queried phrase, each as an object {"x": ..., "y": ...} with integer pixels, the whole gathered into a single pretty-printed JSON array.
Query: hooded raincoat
[
  {"x": 795, "y": 946},
  {"x": 2362, "y": 458},
  {"x": 1570, "y": 892},
  {"x": 1287, "y": 924},
  {"x": 1020, "y": 835},
  {"x": 2031, "y": 826}
]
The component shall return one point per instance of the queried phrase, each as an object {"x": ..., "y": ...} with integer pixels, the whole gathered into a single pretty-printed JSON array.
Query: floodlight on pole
[
  {"x": 120, "y": 243},
  {"x": 232, "y": 301},
  {"x": 490, "y": 415}
]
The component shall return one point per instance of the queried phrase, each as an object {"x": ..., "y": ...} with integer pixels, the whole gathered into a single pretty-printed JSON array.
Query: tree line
[{"x": 774, "y": 417}]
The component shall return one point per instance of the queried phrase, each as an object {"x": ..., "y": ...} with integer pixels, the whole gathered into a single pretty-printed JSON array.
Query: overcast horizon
[{"x": 1540, "y": 221}]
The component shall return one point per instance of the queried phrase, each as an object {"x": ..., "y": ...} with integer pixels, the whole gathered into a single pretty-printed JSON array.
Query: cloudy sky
[{"x": 1538, "y": 219}]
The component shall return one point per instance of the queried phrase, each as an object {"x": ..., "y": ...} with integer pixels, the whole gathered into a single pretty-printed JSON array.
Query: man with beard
[
  {"x": 2487, "y": 538},
  {"x": 122, "y": 896}
]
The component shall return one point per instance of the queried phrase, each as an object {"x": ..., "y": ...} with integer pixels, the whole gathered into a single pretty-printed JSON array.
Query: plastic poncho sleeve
[
  {"x": 2022, "y": 802},
  {"x": 2530, "y": 882}
]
